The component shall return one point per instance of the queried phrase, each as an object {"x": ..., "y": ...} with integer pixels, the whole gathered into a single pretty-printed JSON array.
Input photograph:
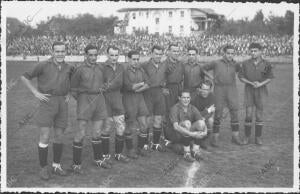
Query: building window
[
  {"x": 170, "y": 29},
  {"x": 170, "y": 14},
  {"x": 182, "y": 14},
  {"x": 133, "y": 29},
  {"x": 157, "y": 20},
  {"x": 133, "y": 16},
  {"x": 140, "y": 13},
  {"x": 181, "y": 28},
  {"x": 147, "y": 14}
]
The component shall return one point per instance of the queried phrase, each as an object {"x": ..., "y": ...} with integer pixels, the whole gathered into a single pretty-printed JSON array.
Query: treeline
[
  {"x": 277, "y": 25},
  {"x": 88, "y": 24},
  {"x": 85, "y": 24}
]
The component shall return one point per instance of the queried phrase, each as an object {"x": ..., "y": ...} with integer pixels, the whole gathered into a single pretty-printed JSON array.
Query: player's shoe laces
[
  {"x": 108, "y": 160},
  {"x": 76, "y": 169},
  {"x": 102, "y": 163},
  {"x": 121, "y": 158},
  {"x": 57, "y": 169},
  {"x": 158, "y": 147},
  {"x": 44, "y": 173},
  {"x": 198, "y": 155},
  {"x": 188, "y": 157}
]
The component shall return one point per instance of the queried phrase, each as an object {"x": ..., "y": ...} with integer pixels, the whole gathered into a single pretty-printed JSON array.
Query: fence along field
[{"x": 236, "y": 166}]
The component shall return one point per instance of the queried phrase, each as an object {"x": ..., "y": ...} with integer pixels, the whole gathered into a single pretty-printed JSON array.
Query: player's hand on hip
[{"x": 41, "y": 96}]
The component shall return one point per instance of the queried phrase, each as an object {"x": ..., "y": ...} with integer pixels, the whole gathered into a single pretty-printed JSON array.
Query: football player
[
  {"x": 188, "y": 127},
  {"x": 154, "y": 97},
  {"x": 53, "y": 80},
  {"x": 113, "y": 78},
  {"x": 226, "y": 95},
  {"x": 256, "y": 73},
  {"x": 88, "y": 83},
  {"x": 174, "y": 79},
  {"x": 135, "y": 82}
]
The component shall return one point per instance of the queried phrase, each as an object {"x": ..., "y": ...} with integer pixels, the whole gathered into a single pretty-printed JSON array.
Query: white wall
[{"x": 141, "y": 21}]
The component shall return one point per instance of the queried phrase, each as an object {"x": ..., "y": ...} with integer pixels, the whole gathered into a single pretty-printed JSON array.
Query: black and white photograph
[{"x": 149, "y": 96}]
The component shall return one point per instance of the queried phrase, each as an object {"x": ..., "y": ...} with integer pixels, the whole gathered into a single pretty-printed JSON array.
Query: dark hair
[
  {"x": 57, "y": 43},
  {"x": 112, "y": 47},
  {"x": 156, "y": 47},
  {"x": 255, "y": 45},
  {"x": 90, "y": 47},
  {"x": 207, "y": 82},
  {"x": 173, "y": 44},
  {"x": 132, "y": 52},
  {"x": 226, "y": 47},
  {"x": 192, "y": 48},
  {"x": 185, "y": 91}
]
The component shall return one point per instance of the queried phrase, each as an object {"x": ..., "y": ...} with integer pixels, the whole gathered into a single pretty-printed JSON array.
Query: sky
[{"x": 39, "y": 11}]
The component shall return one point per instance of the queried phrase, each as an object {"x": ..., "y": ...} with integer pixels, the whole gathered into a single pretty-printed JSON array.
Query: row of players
[{"x": 114, "y": 96}]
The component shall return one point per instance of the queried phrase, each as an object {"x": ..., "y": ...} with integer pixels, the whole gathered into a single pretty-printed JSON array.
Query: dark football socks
[
  {"x": 105, "y": 144},
  {"x": 156, "y": 135},
  {"x": 128, "y": 141},
  {"x": 248, "y": 124},
  {"x": 97, "y": 148},
  {"x": 142, "y": 140},
  {"x": 185, "y": 141},
  {"x": 77, "y": 149},
  {"x": 234, "y": 126},
  {"x": 119, "y": 144},
  {"x": 43, "y": 154},
  {"x": 258, "y": 129},
  {"x": 57, "y": 152}
]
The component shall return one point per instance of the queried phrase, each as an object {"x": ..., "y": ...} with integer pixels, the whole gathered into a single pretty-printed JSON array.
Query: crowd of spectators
[{"x": 208, "y": 45}]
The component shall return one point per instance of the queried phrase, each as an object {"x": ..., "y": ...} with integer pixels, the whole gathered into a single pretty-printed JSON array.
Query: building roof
[{"x": 203, "y": 10}]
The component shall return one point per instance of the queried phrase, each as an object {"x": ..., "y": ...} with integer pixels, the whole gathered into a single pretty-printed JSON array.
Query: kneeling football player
[
  {"x": 188, "y": 127},
  {"x": 204, "y": 102},
  {"x": 87, "y": 82}
]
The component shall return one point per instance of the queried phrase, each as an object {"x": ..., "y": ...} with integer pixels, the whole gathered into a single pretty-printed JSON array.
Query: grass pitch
[{"x": 270, "y": 165}]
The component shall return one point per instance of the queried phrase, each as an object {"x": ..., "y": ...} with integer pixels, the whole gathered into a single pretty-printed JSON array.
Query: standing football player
[
  {"x": 154, "y": 97},
  {"x": 226, "y": 95},
  {"x": 53, "y": 80},
  {"x": 256, "y": 73},
  {"x": 113, "y": 78},
  {"x": 87, "y": 83},
  {"x": 174, "y": 79},
  {"x": 135, "y": 82},
  {"x": 188, "y": 127}
]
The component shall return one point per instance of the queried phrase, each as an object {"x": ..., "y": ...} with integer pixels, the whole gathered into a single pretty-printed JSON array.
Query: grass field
[{"x": 228, "y": 166}]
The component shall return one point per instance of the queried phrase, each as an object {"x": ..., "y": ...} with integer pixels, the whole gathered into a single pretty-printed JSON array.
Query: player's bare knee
[
  {"x": 157, "y": 121},
  {"x": 44, "y": 135},
  {"x": 210, "y": 122},
  {"x": 120, "y": 124}
]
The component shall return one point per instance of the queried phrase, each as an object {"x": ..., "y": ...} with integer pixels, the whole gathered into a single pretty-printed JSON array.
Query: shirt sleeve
[
  {"x": 209, "y": 66},
  {"x": 127, "y": 83},
  {"x": 237, "y": 67},
  {"x": 173, "y": 115},
  {"x": 268, "y": 71},
  {"x": 35, "y": 72},
  {"x": 76, "y": 78},
  {"x": 196, "y": 114},
  {"x": 145, "y": 77},
  {"x": 241, "y": 73}
]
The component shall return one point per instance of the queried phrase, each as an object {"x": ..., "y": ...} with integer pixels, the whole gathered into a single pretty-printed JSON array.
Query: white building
[{"x": 176, "y": 21}]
